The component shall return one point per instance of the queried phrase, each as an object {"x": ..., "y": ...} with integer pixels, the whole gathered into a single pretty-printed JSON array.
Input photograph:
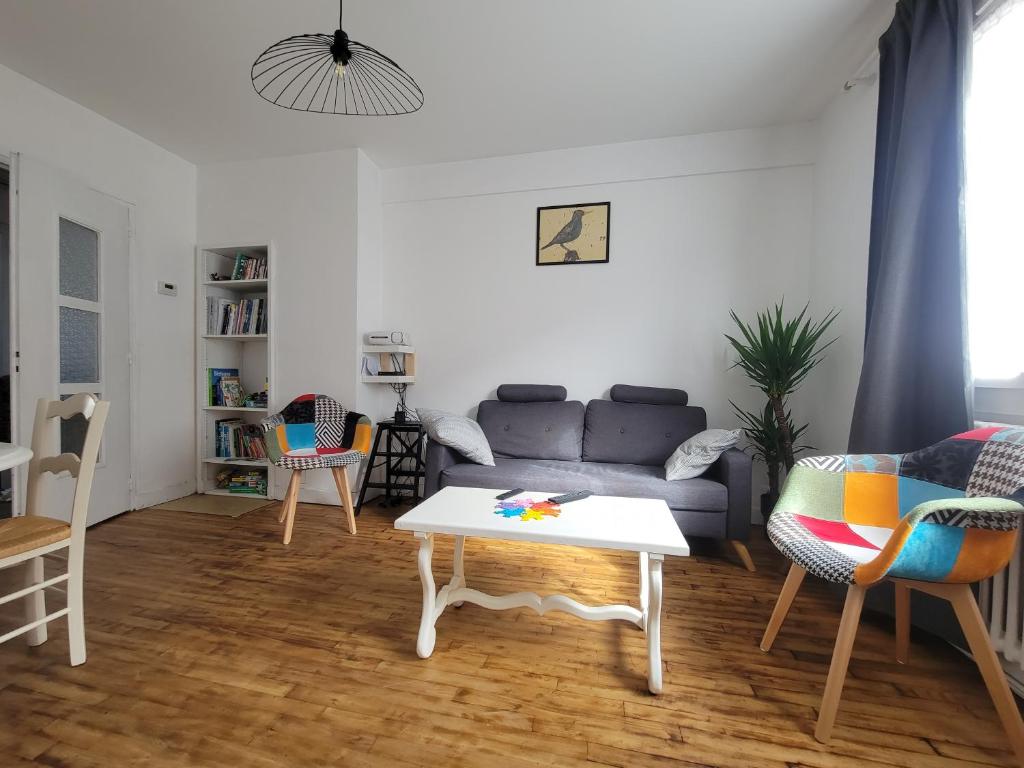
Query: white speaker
[{"x": 387, "y": 337}]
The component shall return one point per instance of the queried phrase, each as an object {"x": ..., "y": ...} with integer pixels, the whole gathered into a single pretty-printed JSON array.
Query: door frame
[{"x": 10, "y": 158}]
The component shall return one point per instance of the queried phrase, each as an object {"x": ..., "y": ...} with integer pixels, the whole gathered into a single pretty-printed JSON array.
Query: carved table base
[{"x": 455, "y": 592}]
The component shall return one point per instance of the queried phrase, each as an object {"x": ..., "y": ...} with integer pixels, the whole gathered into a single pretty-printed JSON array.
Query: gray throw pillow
[
  {"x": 693, "y": 457},
  {"x": 458, "y": 432}
]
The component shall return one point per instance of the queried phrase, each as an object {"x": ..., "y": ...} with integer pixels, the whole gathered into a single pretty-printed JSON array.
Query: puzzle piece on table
[{"x": 526, "y": 509}]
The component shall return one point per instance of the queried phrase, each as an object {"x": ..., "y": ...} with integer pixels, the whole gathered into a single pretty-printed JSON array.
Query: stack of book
[
  {"x": 249, "y": 268},
  {"x": 248, "y": 481},
  {"x": 238, "y": 440},
  {"x": 235, "y": 318}
]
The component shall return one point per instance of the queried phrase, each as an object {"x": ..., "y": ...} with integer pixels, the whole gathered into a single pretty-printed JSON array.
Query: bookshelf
[{"x": 234, "y": 339}]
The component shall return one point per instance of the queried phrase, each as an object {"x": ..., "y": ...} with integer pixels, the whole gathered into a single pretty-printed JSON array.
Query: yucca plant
[
  {"x": 777, "y": 355},
  {"x": 765, "y": 438}
]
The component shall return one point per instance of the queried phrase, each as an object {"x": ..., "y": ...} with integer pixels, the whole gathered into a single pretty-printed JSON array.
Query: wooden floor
[{"x": 212, "y": 645}]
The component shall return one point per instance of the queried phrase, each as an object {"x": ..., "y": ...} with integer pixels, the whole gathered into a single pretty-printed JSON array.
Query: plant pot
[{"x": 768, "y": 502}]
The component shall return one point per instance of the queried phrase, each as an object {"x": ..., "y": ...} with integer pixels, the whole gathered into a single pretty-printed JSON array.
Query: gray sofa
[{"x": 614, "y": 447}]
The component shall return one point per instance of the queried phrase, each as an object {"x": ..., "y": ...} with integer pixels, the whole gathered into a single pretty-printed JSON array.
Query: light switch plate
[{"x": 167, "y": 289}]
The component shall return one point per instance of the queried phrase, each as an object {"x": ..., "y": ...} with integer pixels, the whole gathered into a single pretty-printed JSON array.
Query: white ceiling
[{"x": 500, "y": 76}]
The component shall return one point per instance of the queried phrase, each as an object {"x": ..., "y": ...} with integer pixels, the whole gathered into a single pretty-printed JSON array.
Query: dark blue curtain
[{"x": 914, "y": 385}]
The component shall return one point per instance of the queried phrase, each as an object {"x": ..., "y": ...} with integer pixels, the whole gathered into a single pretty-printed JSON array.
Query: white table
[
  {"x": 644, "y": 526},
  {"x": 12, "y": 455}
]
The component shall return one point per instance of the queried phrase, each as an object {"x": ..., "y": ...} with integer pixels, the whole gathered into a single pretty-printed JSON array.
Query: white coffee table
[{"x": 644, "y": 526}]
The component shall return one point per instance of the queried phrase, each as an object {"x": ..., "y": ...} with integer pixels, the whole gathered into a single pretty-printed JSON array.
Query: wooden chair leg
[
  {"x": 76, "y": 611},
  {"x": 973, "y": 625},
  {"x": 287, "y": 498},
  {"x": 341, "y": 480},
  {"x": 840, "y": 663},
  {"x": 794, "y": 579},
  {"x": 35, "y": 604},
  {"x": 744, "y": 555},
  {"x": 293, "y": 501},
  {"x": 902, "y": 622}
]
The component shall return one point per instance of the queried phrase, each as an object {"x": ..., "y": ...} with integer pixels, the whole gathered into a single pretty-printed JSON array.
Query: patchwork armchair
[
  {"x": 316, "y": 432},
  {"x": 935, "y": 520}
]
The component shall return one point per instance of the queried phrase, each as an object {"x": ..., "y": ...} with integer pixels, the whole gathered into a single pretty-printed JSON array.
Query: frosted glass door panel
[
  {"x": 79, "y": 346},
  {"x": 79, "y": 261}
]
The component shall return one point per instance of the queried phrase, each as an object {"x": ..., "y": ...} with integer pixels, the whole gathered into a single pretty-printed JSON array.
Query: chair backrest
[
  {"x": 316, "y": 422},
  {"x": 45, "y": 457}
]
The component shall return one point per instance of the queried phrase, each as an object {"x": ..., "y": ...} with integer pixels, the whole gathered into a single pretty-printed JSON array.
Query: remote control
[
  {"x": 565, "y": 498},
  {"x": 508, "y": 494}
]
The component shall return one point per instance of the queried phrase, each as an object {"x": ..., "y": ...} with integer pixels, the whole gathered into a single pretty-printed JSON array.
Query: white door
[{"x": 71, "y": 272}]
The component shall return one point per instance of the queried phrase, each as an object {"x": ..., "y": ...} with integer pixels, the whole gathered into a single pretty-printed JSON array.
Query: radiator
[{"x": 1002, "y": 605}]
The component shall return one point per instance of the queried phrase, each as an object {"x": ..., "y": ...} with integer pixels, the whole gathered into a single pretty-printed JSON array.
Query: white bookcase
[{"x": 250, "y": 353}]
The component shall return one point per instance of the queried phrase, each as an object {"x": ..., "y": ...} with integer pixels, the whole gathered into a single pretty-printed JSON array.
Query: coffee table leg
[
  {"x": 458, "y": 570},
  {"x": 427, "y": 636},
  {"x": 654, "y": 625}
]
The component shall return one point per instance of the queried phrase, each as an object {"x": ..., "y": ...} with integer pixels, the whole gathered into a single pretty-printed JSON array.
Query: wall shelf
[
  {"x": 388, "y": 379},
  {"x": 391, "y": 357}
]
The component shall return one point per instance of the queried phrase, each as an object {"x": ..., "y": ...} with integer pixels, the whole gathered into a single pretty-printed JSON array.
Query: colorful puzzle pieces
[{"x": 526, "y": 509}]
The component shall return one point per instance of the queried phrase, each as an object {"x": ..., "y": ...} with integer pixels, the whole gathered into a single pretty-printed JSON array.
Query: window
[
  {"x": 995, "y": 197},
  {"x": 80, "y": 314}
]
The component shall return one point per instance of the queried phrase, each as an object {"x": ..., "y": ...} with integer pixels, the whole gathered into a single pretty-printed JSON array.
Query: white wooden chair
[{"x": 27, "y": 539}]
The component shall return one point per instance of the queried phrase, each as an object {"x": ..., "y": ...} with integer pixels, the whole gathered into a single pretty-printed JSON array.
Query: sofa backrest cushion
[
  {"x": 629, "y": 393},
  {"x": 635, "y": 433},
  {"x": 547, "y": 430},
  {"x": 531, "y": 393}
]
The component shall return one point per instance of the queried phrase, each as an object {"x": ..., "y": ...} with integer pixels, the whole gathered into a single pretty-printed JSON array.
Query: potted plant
[{"x": 777, "y": 355}]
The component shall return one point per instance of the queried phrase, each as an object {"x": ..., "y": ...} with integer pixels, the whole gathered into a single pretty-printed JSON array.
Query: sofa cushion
[
  {"x": 533, "y": 430},
  {"x": 633, "y": 433},
  {"x": 629, "y": 480},
  {"x": 531, "y": 393},
  {"x": 458, "y": 432},
  {"x": 629, "y": 393}
]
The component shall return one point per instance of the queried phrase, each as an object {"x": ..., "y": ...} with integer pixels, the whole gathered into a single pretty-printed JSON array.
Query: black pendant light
[{"x": 335, "y": 76}]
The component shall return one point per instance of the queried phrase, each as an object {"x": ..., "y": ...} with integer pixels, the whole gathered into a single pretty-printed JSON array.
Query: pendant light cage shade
[{"x": 335, "y": 76}]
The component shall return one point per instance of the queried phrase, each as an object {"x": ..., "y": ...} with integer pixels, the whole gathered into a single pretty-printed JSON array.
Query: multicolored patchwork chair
[
  {"x": 936, "y": 520},
  {"x": 316, "y": 432}
]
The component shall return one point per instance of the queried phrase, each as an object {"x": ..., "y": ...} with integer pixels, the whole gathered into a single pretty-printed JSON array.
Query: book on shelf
[
  {"x": 243, "y": 481},
  {"x": 213, "y": 377},
  {"x": 231, "y": 392},
  {"x": 249, "y": 267},
  {"x": 237, "y": 440},
  {"x": 246, "y": 317}
]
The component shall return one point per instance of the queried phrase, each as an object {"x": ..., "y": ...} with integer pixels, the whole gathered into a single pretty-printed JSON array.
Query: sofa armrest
[
  {"x": 734, "y": 469},
  {"x": 439, "y": 458}
]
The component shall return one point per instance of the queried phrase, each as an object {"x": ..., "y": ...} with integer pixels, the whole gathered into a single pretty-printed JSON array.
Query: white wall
[
  {"x": 307, "y": 206},
  {"x": 699, "y": 224},
  {"x": 162, "y": 189},
  {"x": 843, "y": 174}
]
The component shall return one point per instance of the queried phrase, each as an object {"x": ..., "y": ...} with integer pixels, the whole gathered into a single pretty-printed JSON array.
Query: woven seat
[{"x": 21, "y": 534}]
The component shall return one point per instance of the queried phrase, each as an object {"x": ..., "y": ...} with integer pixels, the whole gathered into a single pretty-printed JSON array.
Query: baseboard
[
  {"x": 145, "y": 499},
  {"x": 319, "y": 496}
]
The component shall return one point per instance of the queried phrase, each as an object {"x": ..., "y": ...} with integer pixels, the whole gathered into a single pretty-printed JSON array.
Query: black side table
[{"x": 401, "y": 460}]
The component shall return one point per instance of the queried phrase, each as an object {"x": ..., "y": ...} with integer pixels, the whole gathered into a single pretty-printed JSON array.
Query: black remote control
[
  {"x": 508, "y": 494},
  {"x": 565, "y": 498}
]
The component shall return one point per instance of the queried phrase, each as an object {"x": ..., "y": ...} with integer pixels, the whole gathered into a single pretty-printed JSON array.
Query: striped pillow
[
  {"x": 693, "y": 457},
  {"x": 458, "y": 432}
]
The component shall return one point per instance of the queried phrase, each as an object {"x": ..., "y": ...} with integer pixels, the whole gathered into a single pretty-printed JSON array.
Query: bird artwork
[
  {"x": 569, "y": 232},
  {"x": 573, "y": 234}
]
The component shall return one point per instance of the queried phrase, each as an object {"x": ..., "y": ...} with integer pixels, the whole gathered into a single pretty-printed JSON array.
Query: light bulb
[{"x": 339, "y": 69}]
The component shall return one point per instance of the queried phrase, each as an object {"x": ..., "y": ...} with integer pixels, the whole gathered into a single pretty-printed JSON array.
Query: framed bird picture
[{"x": 573, "y": 234}]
